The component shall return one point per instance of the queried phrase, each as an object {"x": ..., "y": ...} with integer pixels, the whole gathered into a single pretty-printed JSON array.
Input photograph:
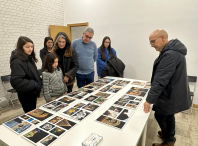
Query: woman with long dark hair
[
  {"x": 24, "y": 75},
  {"x": 105, "y": 52},
  {"x": 67, "y": 59},
  {"x": 48, "y": 47}
]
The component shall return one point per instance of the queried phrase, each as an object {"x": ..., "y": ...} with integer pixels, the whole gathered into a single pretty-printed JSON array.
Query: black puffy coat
[
  {"x": 169, "y": 84},
  {"x": 43, "y": 52},
  {"x": 24, "y": 75}
]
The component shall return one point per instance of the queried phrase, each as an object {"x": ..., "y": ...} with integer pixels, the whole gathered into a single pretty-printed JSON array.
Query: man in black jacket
[{"x": 169, "y": 91}]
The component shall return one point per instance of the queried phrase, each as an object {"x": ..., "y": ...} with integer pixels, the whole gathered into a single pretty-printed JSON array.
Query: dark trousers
[
  {"x": 167, "y": 125},
  {"x": 69, "y": 88},
  {"x": 28, "y": 101},
  {"x": 83, "y": 80}
]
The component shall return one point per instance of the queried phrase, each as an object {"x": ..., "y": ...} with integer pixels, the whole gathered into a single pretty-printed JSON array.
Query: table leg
[{"x": 142, "y": 141}]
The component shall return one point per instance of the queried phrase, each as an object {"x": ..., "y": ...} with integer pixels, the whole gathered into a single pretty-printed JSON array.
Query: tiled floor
[{"x": 186, "y": 125}]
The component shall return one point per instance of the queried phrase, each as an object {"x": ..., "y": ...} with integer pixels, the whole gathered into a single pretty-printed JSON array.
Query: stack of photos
[
  {"x": 138, "y": 83},
  {"x": 49, "y": 131},
  {"x": 137, "y": 91},
  {"x": 67, "y": 100},
  {"x": 85, "y": 90},
  {"x": 122, "y": 83},
  {"x": 128, "y": 101},
  {"x": 116, "y": 117},
  {"x": 18, "y": 125},
  {"x": 148, "y": 85},
  {"x": 39, "y": 114},
  {"x": 55, "y": 106},
  {"x": 115, "y": 89},
  {"x": 80, "y": 111}
]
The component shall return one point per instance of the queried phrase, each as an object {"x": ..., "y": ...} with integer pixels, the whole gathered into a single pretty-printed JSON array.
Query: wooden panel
[
  {"x": 195, "y": 105},
  {"x": 78, "y": 24},
  {"x": 55, "y": 29}
]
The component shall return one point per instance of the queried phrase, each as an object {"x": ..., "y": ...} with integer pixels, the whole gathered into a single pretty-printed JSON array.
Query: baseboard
[{"x": 195, "y": 105}]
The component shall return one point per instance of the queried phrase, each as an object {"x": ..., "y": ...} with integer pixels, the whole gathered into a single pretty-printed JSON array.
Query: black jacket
[
  {"x": 24, "y": 75},
  {"x": 115, "y": 67},
  {"x": 169, "y": 85},
  {"x": 68, "y": 61},
  {"x": 43, "y": 52}
]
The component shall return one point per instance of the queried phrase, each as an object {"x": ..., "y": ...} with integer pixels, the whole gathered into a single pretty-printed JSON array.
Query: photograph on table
[
  {"x": 52, "y": 105},
  {"x": 138, "y": 83},
  {"x": 17, "y": 125},
  {"x": 140, "y": 89},
  {"x": 73, "y": 93},
  {"x": 115, "y": 89},
  {"x": 100, "y": 100},
  {"x": 120, "y": 103},
  {"x": 138, "y": 99},
  {"x": 47, "y": 126},
  {"x": 80, "y": 115},
  {"x": 117, "y": 82},
  {"x": 39, "y": 114},
  {"x": 80, "y": 95},
  {"x": 67, "y": 100},
  {"x": 30, "y": 120},
  {"x": 133, "y": 102},
  {"x": 71, "y": 111},
  {"x": 55, "y": 119},
  {"x": 126, "y": 98},
  {"x": 105, "y": 89},
  {"x": 90, "y": 107},
  {"x": 89, "y": 86},
  {"x": 57, "y": 131},
  {"x": 60, "y": 107},
  {"x": 111, "y": 113},
  {"x": 96, "y": 84},
  {"x": 95, "y": 88},
  {"x": 66, "y": 124},
  {"x": 137, "y": 91},
  {"x": 35, "y": 122},
  {"x": 25, "y": 117},
  {"x": 104, "y": 80},
  {"x": 85, "y": 90},
  {"x": 148, "y": 85},
  {"x": 125, "y": 115},
  {"x": 115, "y": 109},
  {"x": 48, "y": 140},
  {"x": 111, "y": 122},
  {"x": 123, "y": 83},
  {"x": 79, "y": 105},
  {"x": 91, "y": 98},
  {"x": 131, "y": 106},
  {"x": 35, "y": 135},
  {"x": 101, "y": 94}
]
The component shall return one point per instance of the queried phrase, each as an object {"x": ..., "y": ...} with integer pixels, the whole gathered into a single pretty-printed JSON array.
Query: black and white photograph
[{"x": 80, "y": 115}]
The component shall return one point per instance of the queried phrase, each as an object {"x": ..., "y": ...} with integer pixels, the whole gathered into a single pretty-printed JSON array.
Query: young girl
[{"x": 53, "y": 85}]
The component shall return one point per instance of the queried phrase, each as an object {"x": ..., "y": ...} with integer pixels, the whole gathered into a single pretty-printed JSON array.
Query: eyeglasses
[
  {"x": 153, "y": 41},
  {"x": 88, "y": 37},
  {"x": 107, "y": 42}
]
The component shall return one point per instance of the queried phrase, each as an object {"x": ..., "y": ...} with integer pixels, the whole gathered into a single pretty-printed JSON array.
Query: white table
[{"x": 133, "y": 132}]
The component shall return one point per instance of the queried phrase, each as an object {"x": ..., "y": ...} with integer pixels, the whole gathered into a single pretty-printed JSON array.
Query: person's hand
[
  {"x": 65, "y": 80},
  {"x": 147, "y": 107},
  {"x": 65, "y": 93}
]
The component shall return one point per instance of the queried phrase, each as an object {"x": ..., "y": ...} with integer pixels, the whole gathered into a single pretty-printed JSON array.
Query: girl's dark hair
[
  {"x": 102, "y": 49},
  {"x": 20, "y": 52},
  {"x": 48, "y": 62},
  {"x": 64, "y": 36},
  {"x": 45, "y": 41}
]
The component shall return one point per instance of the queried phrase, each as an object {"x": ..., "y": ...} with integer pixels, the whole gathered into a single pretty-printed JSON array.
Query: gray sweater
[{"x": 53, "y": 85}]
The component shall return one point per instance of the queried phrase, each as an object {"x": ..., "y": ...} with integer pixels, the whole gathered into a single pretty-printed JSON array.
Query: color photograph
[
  {"x": 73, "y": 93},
  {"x": 132, "y": 106},
  {"x": 120, "y": 103},
  {"x": 101, "y": 94},
  {"x": 80, "y": 105},
  {"x": 35, "y": 122},
  {"x": 91, "y": 98},
  {"x": 25, "y": 117},
  {"x": 90, "y": 107},
  {"x": 80, "y": 115},
  {"x": 133, "y": 102},
  {"x": 115, "y": 108},
  {"x": 110, "y": 113},
  {"x": 66, "y": 124},
  {"x": 39, "y": 114},
  {"x": 71, "y": 111},
  {"x": 138, "y": 83},
  {"x": 60, "y": 107},
  {"x": 55, "y": 119},
  {"x": 96, "y": 84},
  {"x": 124, "y": 83},
  {"x": 105, "y": 89},
  {"x": 136, "y": 92},
  {"x": 67, "y": 100},
  {"x": 57, "y": 131},
  {"x": 125, "y": 115},
  {"x": 100, "y": 100},
  {"x": 85, "y": 90},
  {"x": 48, "y": 140}
]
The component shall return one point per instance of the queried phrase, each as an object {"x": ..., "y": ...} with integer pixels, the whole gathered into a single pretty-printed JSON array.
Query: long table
[{"x": 133, "y": 132}]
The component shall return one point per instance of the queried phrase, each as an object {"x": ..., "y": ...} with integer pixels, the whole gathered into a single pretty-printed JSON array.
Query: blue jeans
[
  {"x": 83, "y": 80},
  {"x": 167, "y": 125}
]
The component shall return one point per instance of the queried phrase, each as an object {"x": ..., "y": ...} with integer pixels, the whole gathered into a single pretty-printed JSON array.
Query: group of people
[{"x": 62, "y": 62}]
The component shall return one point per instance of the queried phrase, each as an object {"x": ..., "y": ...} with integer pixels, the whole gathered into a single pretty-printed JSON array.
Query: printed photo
[
  {"x": 35, "y": 122},
  {"x": 136, "y": 92},
  {"x": 104, "y": 80},
  {"x": 91, "y": 98},
  {"x": 80, "y": 115},
  {"x": 71, "y": 111},
  {"x": 127, "y": 98},
  {"x": 96, "y": 84},
  {"x": 35, "y": 135},
  {"x": 66, "y": 124},
  {"x": 25, "y": 117},
  {"x": 101, "y": 94},
  {"x": 114, "y": 89},
  {"x": 100, "y": 100},
  {"x": 55, "y": 119},
  {"x": 18, "y": 125},
  {"x": 90, "y": 107},
  {"x": 57, "y": 131},
  {"x": 133, "y": 102},
  {"x": 80, "y": 95},
  {"x": 120, "y": 103},
  {"x": 138, "y": 83},
  {"x": 125, "y": 115},
  {"x": 117, "y": 82},
  {"x": 131, "y": 106},
  {"x": 52, "y": 104},
  {"x": 124, "y": 99},
  {"x": 73, "y": 93},
  {"x": 88, "y": 86},
  {"x": 140, "y": 89},
  {"x": 60, "y": 107},
  {"x": 115, "y": 109},
  {"x": 47, "y": 126},
  {"x": 79, "y": 105},
  {"x": 39, "y": 114},
  {"x": 111, "y": 113},
  {"x": 67, "y": 100},
  {"x": 138, "y": 99},
  {"x": 111, "y": 122},
  {"x": 124, "y": 83},
  {"x": 30, "y": 120},
  {"x": 106, "y": 88},
  {"x": 85, "y": 90},
  {"x": 48, "y": 140}
]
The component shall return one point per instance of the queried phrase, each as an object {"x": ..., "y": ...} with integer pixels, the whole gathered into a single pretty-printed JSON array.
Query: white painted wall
[{"x": 129, "y": 23}]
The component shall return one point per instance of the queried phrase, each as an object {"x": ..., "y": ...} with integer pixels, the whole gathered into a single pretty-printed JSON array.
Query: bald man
[{"x": 169, "y": 91}]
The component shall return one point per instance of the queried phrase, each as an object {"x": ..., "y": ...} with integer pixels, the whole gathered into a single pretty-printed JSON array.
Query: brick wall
[
  {"x": 77, "y": 32},
  {"x": 29, "y": 18}
]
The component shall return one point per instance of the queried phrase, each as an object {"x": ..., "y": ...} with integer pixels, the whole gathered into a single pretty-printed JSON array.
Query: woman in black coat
[
  {"x": 48, "y": 45},
  {"x": 24, "y": 75},
  {"x": 67, "y": 59}
]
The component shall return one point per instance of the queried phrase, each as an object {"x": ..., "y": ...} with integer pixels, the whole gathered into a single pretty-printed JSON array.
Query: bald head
[{"x": 158, "y": 39}]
